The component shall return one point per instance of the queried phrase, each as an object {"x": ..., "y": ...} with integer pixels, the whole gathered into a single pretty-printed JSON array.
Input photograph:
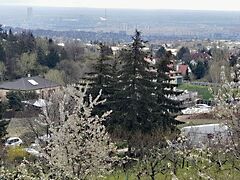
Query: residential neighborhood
[{"x": 122, "y": 90}]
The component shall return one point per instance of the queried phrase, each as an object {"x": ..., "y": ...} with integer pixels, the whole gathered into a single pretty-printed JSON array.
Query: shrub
[
  {"x": 16, "y": 154},
  {"x": 15, "y": 100}
]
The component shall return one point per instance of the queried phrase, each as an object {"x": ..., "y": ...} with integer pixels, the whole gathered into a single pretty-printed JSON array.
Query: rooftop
[{"x": 28, "y": 84}]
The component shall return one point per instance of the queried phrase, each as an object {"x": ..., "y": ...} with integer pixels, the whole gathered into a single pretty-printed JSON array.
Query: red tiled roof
[{"x": 182, "y": 68}]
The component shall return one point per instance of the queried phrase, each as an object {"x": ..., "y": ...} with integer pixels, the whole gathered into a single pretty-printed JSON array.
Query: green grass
[
  {"x": 203, "y": 91},
  {"x": 186, "y": 173}
]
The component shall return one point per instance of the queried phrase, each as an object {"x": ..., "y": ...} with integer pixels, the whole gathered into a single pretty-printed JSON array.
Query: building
[
  {"x": 29, "y": 12},
  {"x": 176, "y": 77},
  {"x": 41, "y": 86},
  {"x": 183, "y": 69}
]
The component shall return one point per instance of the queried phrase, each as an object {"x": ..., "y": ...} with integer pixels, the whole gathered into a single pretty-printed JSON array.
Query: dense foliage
[
  {"x": 140, "y": 102},
  {"x": 102, "y": 77},
  {"x": 3, "y": 128},
  {"x": 22, "y": 54}
]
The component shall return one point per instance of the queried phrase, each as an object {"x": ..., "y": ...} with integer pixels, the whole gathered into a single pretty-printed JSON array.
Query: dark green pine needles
[{"x": 140, "y": 102}]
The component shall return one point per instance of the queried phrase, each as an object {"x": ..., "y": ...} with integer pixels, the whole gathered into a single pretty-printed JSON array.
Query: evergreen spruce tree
[
  {"x": 41, "y": 57},
  {"x": 167, "y": 108},
  {"x": 141, "y": 103},
  {"x": 161, "y": 52},
  {"x": 2, "y": 54},
  {"x": 102, "y": 78},
  {"x": 52, "y": 58},
  {"x": 134, "y": 101}
]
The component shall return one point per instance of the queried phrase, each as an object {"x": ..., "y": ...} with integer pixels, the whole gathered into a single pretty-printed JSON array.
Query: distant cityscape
[{"x": 116, "y": 25}]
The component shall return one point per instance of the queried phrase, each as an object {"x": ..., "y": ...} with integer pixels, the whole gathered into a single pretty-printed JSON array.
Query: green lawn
[{"x": 203, "y": 91}]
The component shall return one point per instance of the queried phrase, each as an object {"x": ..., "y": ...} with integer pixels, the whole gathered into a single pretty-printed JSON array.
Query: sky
[{"x": 226, "y": 5}]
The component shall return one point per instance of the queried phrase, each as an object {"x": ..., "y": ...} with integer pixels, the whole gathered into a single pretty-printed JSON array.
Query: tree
[
  {"x": 233, "y": 60},
  {"x": 166, "y": 109},
  {"x": 2, "y": 54},
  {"x": 199, "y": 70},
  {"x": 41, "y": 57},
  {"x": 75, "y": 51},
  {"x": 136, "y": 103},
  {"x": 79, "y": 145},
  {"x": 187, "y": 75},
  {"x": 52, "y": 58},
  {"x": 102, "y": 77},
  {"x": 26, "y": 41},
  {"x": 3, "y": 128},
  {"x": 220, "y": 58},
  {"x": 227, "y": 109},
  {"x": 184, "y": 54},
  {"x": 15, "y": 100},
  {"x": 72, "y": 71},
  {"x": 27, "y": 64},
  {"x": 1, "y": 28},
  {"x": 161, "y": 52},
  {"x": 131, "y": 112},
  {"x": 55, "y": 76},
  {"x": 2, "y": 71}
]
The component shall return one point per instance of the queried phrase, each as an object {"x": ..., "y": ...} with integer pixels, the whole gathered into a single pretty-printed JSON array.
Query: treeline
[{"x": 22, "y": 54}]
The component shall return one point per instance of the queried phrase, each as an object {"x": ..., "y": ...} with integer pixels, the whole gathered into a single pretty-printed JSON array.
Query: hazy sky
[{"x": 138, "y": 4}]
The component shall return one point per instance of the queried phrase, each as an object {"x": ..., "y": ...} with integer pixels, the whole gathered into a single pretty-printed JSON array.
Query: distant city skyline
[{"x": 225, "y": 5}]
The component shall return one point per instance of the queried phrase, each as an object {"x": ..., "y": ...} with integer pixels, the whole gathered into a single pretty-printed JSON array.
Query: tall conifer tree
[
  {"x": 102, "y": 77},
  {"x": 167, "y": 108},
  {"x": 134, "y": 101},
  {"x": 141, "y": 103}
]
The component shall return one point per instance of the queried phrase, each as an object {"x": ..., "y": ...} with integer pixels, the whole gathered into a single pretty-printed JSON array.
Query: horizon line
[{"x": 122, "y": 8}]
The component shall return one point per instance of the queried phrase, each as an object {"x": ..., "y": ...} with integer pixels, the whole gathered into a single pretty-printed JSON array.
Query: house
[
  {"x": 176, "y": 77},
  {"x": 183, "y": 69},
  {"x": 193, "y": 62},
  {"x": 41, "y": 86}
]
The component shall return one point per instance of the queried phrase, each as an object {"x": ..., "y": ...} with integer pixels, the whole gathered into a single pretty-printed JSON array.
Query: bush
[
  {"x": 15, "y": 100},
  {"x": 16, "y": 154},
  {"x": 122, "y": 144}
]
